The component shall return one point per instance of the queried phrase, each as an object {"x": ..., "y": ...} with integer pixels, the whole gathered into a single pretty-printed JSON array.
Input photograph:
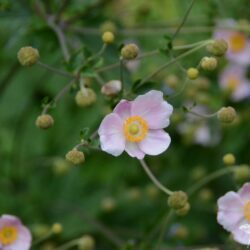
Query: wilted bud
[
  {"x": 229, "y": 159},
  {"x": 226, "y": 114},
  {"x": 192, "y": 73},
  {"x": 218, "y": 47},
  {"x": 111, "y": 88},
  {"x": 56, "y": 228},
  {"x": 209, "y": 63},
  {"x": 85, "y": 97},
  {"x": 183, "y": 210},
  {"x": 44, "y": 121},
  {"x": 28, "y": 56},
  {"x": 108, "y": 37},
  {"x": 76, "y": 157},
  {"x": 177, "y": 200},
  {"x": 86, "y": 242},
  {"x": 130, "y": 51},
  {"x": 242, "y": 173}
]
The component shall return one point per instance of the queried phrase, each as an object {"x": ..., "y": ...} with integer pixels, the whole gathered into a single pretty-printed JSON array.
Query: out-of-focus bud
[
  {"x": 44, "y": 121},
  {"x": 209, "y": 63},
  {"x": 108, "y": 26},
  {"x": 75, "y": 156},
  {"x": 192, "y": 73},
  {"x": 60, "y": 166},
  {"x": 152, "y": 191},
  {"x": 218, "y": 47},
  {"x": 86, "y": 242},
  {"x": 181, "y": 232},
  {"x": 172, "y": 81},
  {"x": 28, "y": 56},
  {"x": 242, "y": 173},
  {"x": 111, "y": 88},
  {"x": 56, "y": 228},
  {"x": 134, "y": 193},
  {"x": 226, "y": 114},
  {"x": 130, "y": 51},
  {"x": 183, "y": 210},
  {"x": 205, "y": 194},
  {"x": 177, "y": 200},
  {"x": 39, "y": 230},
  {"x": 108, "y": 204},
  {"x": 229, "y": 159},
  {"x": 85, "y": 97},
  {"x": 108, "y": 37}
]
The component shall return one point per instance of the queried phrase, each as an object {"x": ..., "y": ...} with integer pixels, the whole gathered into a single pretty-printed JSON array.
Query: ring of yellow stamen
[
  {"x": 237, "y": 42},
  {"x": 8, "y": 235},
  {"x": 135, "y": 129},
  {"x": 232, "y": 83},
  {"x": 247, "y": 211}
]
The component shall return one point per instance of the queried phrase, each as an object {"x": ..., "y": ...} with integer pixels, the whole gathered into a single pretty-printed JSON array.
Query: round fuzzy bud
[
  {"x": 184, "y": 210},
  {"x": 85, "y": 97},
  {"x": 209, "y": 63},
  {"x": 130, "y": 51},
  {"x": 242, "y": 173},
  {"x": 76, "y": 157},
  {"x": 108, "y": 37},
  {"x": 192, "y": 73},
  {"x": 44, "y": 121},
  {"x": 28, "y": 56},
  {"x": 218, "y": 47},
  {"x": 111, "y": 88},
  {"x": 226, "y": 114},
  {"x": 57, "y": 228},
  {"x": 177, "y": 199},
  {"x": 86, "y": 242},
  {"x": 229, "y": 159}
]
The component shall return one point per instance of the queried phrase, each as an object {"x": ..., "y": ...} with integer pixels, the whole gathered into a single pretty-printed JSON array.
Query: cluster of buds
[
  {"x": 218, "y": 47},
  {"x": 129, "y": 51},
  {"x": 75, "y": 156},
  {"x": 209, "y": 63},
  {"x": 178, "y": 201}
]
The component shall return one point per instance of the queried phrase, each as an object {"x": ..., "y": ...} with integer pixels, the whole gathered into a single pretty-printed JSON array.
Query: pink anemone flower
[
  {"x": 137, "y": 126},
  {"x": 13, "y": 235},
  {"x": 234, "y": 214}
]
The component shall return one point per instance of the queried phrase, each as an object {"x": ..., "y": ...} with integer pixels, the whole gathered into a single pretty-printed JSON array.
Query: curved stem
[
  {"x": 209, "y": 178},
  {"x": 43, "y": 238},
  {"x": 153, "y": 178},
  {"x": 204, "y": 116},
  {"x": 68, "y": 245}
]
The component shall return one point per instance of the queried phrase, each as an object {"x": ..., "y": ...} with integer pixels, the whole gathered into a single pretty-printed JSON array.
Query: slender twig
[
  {"x": 153, "y": 178},
  {"x": 54, "y": 70},
  {"x": 209, "y": 178},
  {"x": 68, "y": 244},
  {"x": 43, "y": 238},
  {"x": 204, "y": 116}
]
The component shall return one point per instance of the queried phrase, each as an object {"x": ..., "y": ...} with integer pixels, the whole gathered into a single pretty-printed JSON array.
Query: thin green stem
[
  {"x": 43, "y": 238},
  {"x": 204, "y": 116},
  {"x": 54, "y": 70},
  {"x": 183, "y": 20},
  {"x": 172, "y": 62},
  {"x": 68, "y": 245},
  {"x": 209, "y": 178},
  {"x": 153, "y": 178}
]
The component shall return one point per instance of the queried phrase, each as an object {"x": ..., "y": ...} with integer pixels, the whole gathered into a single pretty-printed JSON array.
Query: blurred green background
[{"x": 105, "y": 193}]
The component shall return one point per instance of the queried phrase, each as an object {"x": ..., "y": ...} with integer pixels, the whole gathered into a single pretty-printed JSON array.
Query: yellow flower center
[
  {"x": 247, "y": 211},
  {"x": 237, "y": 42},
  {"x": 8, "y": 235},
  {"x": 232, "y": 83},
  {"x": 135, "y": 129}
]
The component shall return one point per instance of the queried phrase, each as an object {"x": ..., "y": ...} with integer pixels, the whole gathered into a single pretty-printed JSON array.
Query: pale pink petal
[
  {"x": 123, "y": 109},
  {"x": 111, "y": 135},
  {"x": 244, "y": 192},
  {"x": 153, "y": 109},
  {"x": 242, "y": 58},
  {"x": 9, "y": 220},
  {"x": 133, "y": 150},
  {"x": 241, "y": 233},
  {"x": 156, "y": 142},
  {"x": 23, "y": 241},
  {"x": 230, "y": 210}
]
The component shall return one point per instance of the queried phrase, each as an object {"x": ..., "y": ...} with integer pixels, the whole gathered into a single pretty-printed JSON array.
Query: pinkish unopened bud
[{"x": 111, "y": 88}]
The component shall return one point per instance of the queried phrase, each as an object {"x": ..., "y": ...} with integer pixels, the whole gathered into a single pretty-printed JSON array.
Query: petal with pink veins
[{"x": 156, "y": 142}]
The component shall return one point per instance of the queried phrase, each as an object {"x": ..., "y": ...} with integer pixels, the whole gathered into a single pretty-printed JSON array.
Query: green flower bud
[
  {"x": 44, "y": 121},
  {"x": 218, "y": 47},
  {"x": 184, "y": 210},
  {"x": 85, "y": 97},
  {"x": 56, "y": 228},
  {"x": 108, "y": 37},
  {"x": 108, "y": 26},
  {"x": 226, "y": 114},
  {"x": 229, "y": 159},
  {"x": 76, "y": 157},
  {"x": 192, "y": 73},
  {"x": 86, "y": 242},
  {"x": 130, "y": 51},
  {"x": 108, "y": 204},
  {"x": 177, "y": 200},
  {"x": 28, "y": 56},
  {"x": 209, "y": 63},
  {"x": 242, "y": 173}
]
